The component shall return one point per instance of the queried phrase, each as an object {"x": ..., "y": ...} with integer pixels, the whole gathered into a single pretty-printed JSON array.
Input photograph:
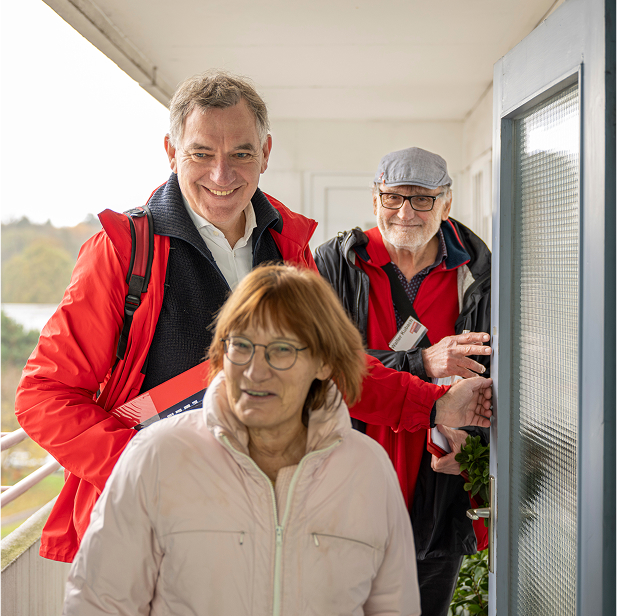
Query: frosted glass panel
[{"x": 545, "y": 358}]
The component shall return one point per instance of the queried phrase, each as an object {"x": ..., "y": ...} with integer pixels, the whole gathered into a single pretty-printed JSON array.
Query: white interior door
[{"x": 339, "y": 202}]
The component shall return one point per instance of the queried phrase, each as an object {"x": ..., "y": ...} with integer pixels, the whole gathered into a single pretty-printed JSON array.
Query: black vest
[{"x": 195, "y": 288}]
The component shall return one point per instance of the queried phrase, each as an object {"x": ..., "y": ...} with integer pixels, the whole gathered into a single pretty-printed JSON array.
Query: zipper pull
[
  {"x": 242, "y": 538},
  {"x": 315, "y": 539},
  {"x": 279, "y": 535}
]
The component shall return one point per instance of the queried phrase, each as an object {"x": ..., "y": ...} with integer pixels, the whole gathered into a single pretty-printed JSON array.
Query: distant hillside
[{"x": 37, "y": 260}]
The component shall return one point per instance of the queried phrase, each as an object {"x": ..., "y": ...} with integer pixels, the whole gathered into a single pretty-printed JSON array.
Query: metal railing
[
  {"x": 12, "y": 438},
  {"x": 22, "y": 567},
  {"x": 10, "y": 493}
]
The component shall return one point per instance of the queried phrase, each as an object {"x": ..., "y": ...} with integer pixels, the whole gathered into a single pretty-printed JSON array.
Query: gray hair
[{"x": 219, "y": 90}]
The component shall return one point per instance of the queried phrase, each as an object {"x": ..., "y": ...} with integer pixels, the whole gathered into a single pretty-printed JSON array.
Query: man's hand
[
  {"x": 449, "y": 356},
  {"x": 447, "y": 464},
  {"x": 467, "y": 403}
]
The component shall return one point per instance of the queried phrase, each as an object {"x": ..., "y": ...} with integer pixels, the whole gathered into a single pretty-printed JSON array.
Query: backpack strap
[{"x": 140, "y": 267}]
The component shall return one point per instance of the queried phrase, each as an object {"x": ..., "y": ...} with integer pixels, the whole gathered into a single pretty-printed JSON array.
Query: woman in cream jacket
[{"x": 265, "y": 502}]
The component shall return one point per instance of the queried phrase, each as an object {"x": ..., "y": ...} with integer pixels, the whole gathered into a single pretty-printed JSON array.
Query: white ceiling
[{"x": 325, "y": 59}]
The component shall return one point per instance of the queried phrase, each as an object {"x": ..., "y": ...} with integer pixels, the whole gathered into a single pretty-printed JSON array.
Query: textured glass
[{"x": 545, "y": 359}]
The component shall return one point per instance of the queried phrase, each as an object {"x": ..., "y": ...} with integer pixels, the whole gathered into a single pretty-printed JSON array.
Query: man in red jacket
[
  {"x": 212, "y": 224},
  {"x": 419, "y": 268}
]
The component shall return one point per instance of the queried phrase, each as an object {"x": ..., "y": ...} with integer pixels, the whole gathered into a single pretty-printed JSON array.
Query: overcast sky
[{"x": 77, "y": 134}]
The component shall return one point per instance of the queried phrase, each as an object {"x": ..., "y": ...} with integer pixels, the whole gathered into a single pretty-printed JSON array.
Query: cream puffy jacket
[{"x": 189, "y": 525}]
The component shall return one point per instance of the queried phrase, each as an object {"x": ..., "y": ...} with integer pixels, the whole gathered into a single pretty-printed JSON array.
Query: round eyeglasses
[
  {"x": 279, "y": 355},
  {"x": 420, "y": 203}
]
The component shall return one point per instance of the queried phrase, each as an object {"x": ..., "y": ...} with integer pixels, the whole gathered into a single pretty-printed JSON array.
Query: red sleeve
[
  {"x": 396, "y": 399},
  {"x": 55, "y": 398}
]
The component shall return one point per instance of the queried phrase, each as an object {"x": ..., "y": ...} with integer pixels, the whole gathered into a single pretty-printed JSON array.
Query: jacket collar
[
  {"x": 327, "y": 425},
  {"x": 172, "y": 219},
  {"x": 295, "y": 229},
  {"x": 457, "y": 255}
]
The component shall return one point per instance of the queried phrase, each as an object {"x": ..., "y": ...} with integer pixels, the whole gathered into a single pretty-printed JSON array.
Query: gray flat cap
[{"x": 413, "y": 166}]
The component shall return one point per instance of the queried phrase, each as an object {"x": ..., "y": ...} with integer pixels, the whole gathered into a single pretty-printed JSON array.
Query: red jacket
[
  {"x": 56, "y": 400},
  {"x": 436, "y": 305}
]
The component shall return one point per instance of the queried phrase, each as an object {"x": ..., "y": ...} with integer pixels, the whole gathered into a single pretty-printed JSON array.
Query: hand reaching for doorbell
[{"x": 449, "y": 356}]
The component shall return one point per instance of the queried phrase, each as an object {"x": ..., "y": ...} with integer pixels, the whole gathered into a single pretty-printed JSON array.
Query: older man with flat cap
[{"x": 418, "y": 287}]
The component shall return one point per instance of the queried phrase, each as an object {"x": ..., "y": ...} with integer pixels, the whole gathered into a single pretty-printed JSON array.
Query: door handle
[
  {"x": 476, "y": 514},
  {"x": 489, "y": 513}
]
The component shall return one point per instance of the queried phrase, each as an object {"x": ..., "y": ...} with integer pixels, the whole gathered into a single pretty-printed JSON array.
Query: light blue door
[{"x": 553, "y": 436}]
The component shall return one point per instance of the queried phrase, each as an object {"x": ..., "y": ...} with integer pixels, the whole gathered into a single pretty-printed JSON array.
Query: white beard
[{"x": 412, "y": 238}]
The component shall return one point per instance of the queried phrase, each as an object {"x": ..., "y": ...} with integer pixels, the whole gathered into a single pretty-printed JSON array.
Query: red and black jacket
[{"x": 455, "y": 296}]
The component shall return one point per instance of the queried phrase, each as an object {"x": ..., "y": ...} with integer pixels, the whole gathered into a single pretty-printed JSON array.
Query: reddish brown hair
[{"x": 300, "y": 302}]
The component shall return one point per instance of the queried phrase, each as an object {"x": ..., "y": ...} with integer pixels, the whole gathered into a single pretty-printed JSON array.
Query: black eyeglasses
[
  {"x": 420, "y": 203},
  {"x": 279, "y": 355}
]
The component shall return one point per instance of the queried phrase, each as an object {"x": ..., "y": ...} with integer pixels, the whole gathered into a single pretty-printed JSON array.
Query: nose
[
  {"x": 406, "y": 212},
  {"x": 222, "y": 173},
  {"x": 258, "y": 369}
]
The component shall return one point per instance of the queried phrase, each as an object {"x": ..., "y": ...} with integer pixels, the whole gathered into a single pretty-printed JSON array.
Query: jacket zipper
[
  {"x": 279, "y": 528},
  {"x": 277, "y": 563},
  {"x": 357, "y": 315}
]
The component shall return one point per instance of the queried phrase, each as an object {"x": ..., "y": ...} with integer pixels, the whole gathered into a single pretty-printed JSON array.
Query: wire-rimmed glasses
[{"x": 279, "y": 355}]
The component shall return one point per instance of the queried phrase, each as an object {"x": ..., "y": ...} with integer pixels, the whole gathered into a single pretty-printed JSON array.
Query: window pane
[{"x": 545, "y": 358}]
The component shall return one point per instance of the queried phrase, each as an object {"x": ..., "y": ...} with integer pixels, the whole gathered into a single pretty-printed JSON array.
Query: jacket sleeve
[
  {"x": 403, "y": 361},
  {"x": 395, "y": 587},
  {"x": 332, "y": 265},
  {"x": 396, "y": 399},
  {"x": 116, "y": 568},
  {"x": 55, "y": 400}
]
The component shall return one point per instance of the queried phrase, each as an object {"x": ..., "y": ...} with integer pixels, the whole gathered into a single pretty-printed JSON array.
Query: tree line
[{"x": 37, "y": 259}]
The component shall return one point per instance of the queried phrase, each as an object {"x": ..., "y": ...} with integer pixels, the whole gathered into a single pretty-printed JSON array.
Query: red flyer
[{"x": 184, "y": 392}]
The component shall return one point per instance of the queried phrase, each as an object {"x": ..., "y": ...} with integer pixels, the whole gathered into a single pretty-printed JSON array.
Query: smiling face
[
  {"x": 406, "y": 228},
  {"x": 263, "y": 398},
  {"x": 218, "y": 162}
]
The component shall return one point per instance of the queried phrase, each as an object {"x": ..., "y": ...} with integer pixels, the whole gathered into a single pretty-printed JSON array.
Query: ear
[
  {"x": 267, "y": 148},
  {"x": 324, "y": 372},
  {"x": 376, "y": 201},
  {"x": 446, "y": 209},
  {"x": 171, "y": 154}
]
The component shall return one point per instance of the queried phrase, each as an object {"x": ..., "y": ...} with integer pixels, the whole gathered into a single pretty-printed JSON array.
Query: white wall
[
  {"x": 325, "y": 168},
  {"x": 478, "y": 128},
  {"x": 476, "y": 176},
  {"x": 473, "y": 199}
]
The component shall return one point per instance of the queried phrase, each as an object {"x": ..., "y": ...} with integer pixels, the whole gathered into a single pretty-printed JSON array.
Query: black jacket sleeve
[{"x": 403, "y": 361}]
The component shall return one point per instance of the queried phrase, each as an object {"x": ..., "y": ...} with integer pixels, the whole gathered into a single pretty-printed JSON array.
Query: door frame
[{"x": 574, "y": 43}]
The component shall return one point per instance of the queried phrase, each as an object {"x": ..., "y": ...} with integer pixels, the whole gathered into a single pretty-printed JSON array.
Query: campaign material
[
  {"x": 437, "y": 443},
  {"x": 184, "y": 392}
]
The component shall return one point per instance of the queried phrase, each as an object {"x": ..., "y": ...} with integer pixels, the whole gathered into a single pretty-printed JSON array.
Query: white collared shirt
[{"x": 235, "y": 263}]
